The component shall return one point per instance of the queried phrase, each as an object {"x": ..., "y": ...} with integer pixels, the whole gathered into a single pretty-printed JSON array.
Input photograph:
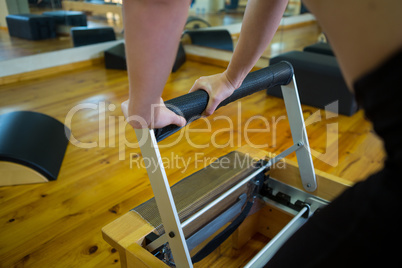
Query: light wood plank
[{"x": 15, "y": 174}]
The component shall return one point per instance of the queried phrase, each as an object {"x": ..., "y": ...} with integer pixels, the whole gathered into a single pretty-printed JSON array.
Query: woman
[{"x": 359, "y": 228}]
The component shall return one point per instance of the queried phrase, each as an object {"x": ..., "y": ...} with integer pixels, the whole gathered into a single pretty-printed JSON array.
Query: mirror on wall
[
  {"x": 108, "y": 13},
  {"x": 16, "y": 42}
]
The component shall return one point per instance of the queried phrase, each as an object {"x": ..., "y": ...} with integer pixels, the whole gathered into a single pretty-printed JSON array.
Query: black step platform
[
  {"x": 83, "y": 36},
  {"x": 33, "y": 140},
  {"x": 180, "y": 58},
  {"x": 320, "y": 48},
  {"x": 68, "y": 18},
  {"x": 115, "y": 58},
  {"x": 31, "y": 26},
  {"x": 319, "y": 81},
  {"x": 218, "y": 39}
]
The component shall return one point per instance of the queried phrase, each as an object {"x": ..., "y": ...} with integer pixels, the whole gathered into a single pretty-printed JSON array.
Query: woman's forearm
[
  {"x": 152, "y": 34},
  {"x": 261, "y": 20}
]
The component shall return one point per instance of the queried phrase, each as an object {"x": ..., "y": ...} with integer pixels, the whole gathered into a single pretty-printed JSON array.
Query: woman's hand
[
  {"x": 218, "y": 87},
  {"x": 157, "y": 116}
]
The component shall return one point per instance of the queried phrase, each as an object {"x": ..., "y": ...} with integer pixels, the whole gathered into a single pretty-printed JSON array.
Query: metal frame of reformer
[{"x": 166, "y": 206}]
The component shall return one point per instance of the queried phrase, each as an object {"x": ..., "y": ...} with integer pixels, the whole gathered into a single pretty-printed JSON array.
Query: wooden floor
[{"x": 58, "y": 224}]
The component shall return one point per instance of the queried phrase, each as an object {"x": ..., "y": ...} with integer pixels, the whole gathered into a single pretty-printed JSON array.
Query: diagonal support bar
[
  {"x": 298, "y": 129},
  {"x": 163, "y": 197}
]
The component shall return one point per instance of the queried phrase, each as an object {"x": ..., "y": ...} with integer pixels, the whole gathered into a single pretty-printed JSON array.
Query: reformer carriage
[{"x": 269, "y": 195}]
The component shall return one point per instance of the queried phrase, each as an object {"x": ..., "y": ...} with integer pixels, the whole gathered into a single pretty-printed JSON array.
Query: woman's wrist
[
  {"x": 142, "y": 113},
  {"x": 234, "y": 77}
]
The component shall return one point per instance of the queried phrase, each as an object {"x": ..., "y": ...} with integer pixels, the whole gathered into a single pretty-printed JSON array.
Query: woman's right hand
[
  {"x": 218, "y": 87},
  {"x": 157, "y": 116}
]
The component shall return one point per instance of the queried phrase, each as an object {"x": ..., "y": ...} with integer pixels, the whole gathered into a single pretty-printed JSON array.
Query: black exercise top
[
  {"x": 361, "y": 227},
  {"x": 379, "y": 93}
]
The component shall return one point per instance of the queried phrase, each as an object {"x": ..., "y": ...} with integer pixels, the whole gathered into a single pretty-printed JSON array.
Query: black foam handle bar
[{"x": 193, "y": 104}]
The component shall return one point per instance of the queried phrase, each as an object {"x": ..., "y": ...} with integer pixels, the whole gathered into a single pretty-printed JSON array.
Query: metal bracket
[
  {"x": 207, "y": 230},
  {"x": 217, "y": 223},
  {"x": 288, "y": 198}
]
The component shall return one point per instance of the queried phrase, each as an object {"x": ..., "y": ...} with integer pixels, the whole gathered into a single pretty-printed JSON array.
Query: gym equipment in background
[
  {"x": 31, "y": 26},
  {"x": 320, "y": 48},
  {"x": 83, "y": 36},
  {"x": 69, "y": 18},
  {"x": 64, "y": 20},
  {"x": 319, "y": 80},
  {"x": 231, "y": 5},
  {"x": 115, "y": 58},
  {"x": 218, "y": 39},
  {"x": 194, "y": 23},
  {"x": 32, "y": 147},
  {"x": 180, "y": 58}
]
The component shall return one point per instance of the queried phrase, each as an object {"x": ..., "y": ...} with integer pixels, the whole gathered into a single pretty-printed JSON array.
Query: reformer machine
[{"x": 183, "y": 224}]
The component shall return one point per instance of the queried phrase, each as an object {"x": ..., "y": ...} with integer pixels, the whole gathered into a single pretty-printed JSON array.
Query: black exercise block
[
  {"x": 68, "y": 18},
  {"x": 194, "y": 23},
  {"x": 219, "y": 39},
  {"x": 83, "y": 36},
  {"x": 31, "y": 26},
  {"x": 180, "y": 58},
  {"x": 320, "y": 48},
  {"x": 34, "y": 140},
  {"x": 319, "y": 81},
  {"x": 115, "y": 57}
]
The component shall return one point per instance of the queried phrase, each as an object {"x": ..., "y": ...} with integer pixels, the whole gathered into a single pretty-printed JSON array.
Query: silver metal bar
[
  {"x": 273, "y": 246},
  {"x": 207, "y": 230},
  {"x": 298, "y": 129},
  {"x": 217, "y": 223},
  {"x": 163, "y": 197},
  {"x": 162, "y": 239},
  {"x": 272, "y": 161},
  {"x": 157, "y": 243},
  {"x": 295, "y": 194},
  {"x": 286, "y": 152}
]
